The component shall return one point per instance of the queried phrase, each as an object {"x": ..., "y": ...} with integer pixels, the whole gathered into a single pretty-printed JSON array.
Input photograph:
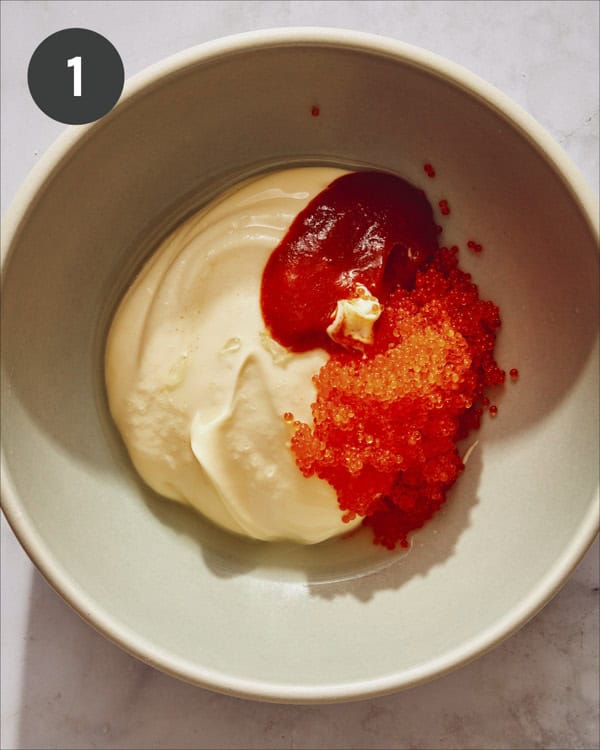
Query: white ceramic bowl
[{"x": 345, "y": 619}]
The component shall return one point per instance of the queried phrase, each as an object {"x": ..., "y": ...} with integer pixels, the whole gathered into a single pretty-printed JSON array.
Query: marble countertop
[{"x": 64, "y": 685}]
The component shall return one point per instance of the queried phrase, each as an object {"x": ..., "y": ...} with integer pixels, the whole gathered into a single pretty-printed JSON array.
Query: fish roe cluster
[{"x": 385, "y": 424}]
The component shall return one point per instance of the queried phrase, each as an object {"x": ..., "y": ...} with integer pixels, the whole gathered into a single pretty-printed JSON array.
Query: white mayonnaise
[{"x": 196, "y": 386}]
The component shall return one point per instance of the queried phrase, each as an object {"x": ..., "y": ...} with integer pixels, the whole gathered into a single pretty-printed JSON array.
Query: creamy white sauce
[{"x": 196, "y": 386}]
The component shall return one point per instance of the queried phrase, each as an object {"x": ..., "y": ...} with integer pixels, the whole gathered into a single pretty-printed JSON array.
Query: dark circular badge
[{"x": 75, "y": 76}]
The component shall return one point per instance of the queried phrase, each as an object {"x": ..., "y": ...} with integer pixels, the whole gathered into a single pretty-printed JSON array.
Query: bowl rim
[{"x": 34, "y": 544}]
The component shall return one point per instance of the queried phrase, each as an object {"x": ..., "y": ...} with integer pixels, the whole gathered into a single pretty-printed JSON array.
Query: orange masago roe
[
  {"x": 387, "y": 417},
  {"x": 386, "y": 424}
]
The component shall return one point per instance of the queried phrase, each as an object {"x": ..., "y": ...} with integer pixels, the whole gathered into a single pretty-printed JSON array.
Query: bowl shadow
[{"x": 345, "y": 566}]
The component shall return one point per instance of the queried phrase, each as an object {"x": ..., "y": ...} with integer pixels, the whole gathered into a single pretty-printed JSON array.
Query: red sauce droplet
[
  {"x": 514, "y": 373},
  {"x": 444, "y": 207},
  {"x": 369, "y": 228},
  {"x": 429, "y": 170},
  {"x": 315, "y": 111}
]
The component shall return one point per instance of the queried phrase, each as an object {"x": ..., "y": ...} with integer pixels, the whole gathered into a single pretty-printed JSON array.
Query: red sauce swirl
[{"x": 369, "y": 228}]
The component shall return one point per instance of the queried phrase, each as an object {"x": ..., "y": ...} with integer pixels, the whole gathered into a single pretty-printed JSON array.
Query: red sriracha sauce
[{"x": 369, "y": 228}]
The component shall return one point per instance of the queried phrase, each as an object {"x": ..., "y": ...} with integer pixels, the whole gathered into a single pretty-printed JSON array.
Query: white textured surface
[{"x": 63, "y": 685}]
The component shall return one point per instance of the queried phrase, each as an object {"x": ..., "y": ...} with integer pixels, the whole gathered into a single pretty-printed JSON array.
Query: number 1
[{"x": 75, "y": 63}]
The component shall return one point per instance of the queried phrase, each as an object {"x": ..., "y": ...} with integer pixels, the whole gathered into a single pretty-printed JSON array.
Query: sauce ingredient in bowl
[
  {"x": 197, "y": 387},
  {"x": 366, "y": 228},
  {"x": 305, "y": 286},
  {"x": 385, "y": 425}
]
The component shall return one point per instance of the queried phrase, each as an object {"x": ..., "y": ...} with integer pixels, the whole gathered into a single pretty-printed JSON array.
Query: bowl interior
[{"x": 344, "y": 618}]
